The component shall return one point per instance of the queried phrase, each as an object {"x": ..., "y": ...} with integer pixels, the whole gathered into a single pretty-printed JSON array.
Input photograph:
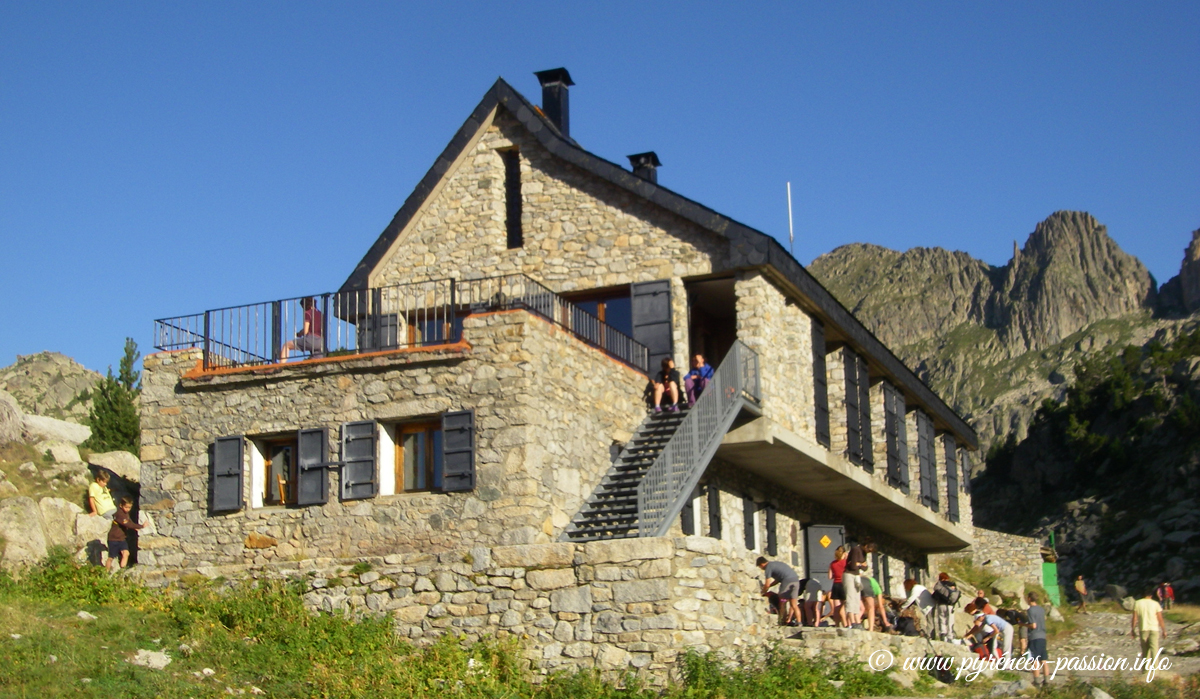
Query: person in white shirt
[{"x": 922, "y": 598}]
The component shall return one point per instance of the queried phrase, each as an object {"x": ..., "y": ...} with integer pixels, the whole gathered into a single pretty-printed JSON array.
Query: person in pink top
[
  {"x": 311, "y": 338},
  {"x": 837, "y": 572}
]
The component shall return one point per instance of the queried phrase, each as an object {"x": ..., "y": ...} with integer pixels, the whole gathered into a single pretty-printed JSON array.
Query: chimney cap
[
  {"x": 554, "y": 75},
  {"x": 647, "y": 159}
]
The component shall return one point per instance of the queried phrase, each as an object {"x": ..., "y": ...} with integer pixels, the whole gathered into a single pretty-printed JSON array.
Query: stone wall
[
  {"x": 547, "y": 409},
  {"x": 1008, "y": 555},
  {"x": 611, "y": 605},
  {"x": 781, "y": 333}
]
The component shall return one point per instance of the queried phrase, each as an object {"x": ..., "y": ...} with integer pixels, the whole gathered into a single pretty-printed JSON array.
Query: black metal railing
[{"x": 379, "y": 319}]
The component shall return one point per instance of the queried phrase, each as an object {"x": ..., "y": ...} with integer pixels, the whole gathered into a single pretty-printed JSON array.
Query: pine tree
[{"x": 114, "y": 418}]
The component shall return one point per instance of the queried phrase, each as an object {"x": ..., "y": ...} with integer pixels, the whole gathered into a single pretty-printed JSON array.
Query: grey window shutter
[
  {"x": 749, "y": 507},
  {"x": 772, "y": 536},
  {"x": 225, "y": 485},
  {"x": 651, "y": 310},
  {"x": 951, "y": 478},
  {"x": 312, "y": 467},
  {"x": 927, "y": 460},
  {"x": 853, "y": 435},
  {"x": 893, "y": 427},
  {"x": 458, "y": 451},
  {"x": 359, "y": 474},
  {"x": 820, "y": 384},
  {"x": 687, "y": 517},
  {"x": 714, "y": 512},
  {"x": 864, "y": 415},
  {"x": 964, "y": 462}
]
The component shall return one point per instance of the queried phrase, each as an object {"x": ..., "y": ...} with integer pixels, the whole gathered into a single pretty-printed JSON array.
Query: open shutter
[
  {"x": 225, "y": 485},
  {"x": 964, "y": 462},
  {"x": 820, "y": 384},
  {"x": 897, "y": 437},
  {"x": 749, "y": 507},
  {"x": 687, "y": 514},
  {"x": 458, "y": 451},
  {"x": 714, "y": 512},
  {"x": 359, "y": 475},
  {"x": 864, "y": 415},
  {"x": 951, "y": 478},
  {"x": 853, "y": 435},
  {"x": 651, "y": 309},
  {"x": 312, "y": 467},
  {"x": 772, "y": 536}
]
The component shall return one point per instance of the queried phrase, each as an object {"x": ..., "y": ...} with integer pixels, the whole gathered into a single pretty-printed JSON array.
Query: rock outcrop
[
  {"x": 1181, "y": 295},
  {"x": 51, "y": 384},
  {"x": 11, "y": 418},
  {"x": 23, "y": 533},
  {"x": 40, "y": 427}
]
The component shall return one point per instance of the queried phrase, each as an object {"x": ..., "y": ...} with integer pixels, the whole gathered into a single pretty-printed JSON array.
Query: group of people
[
  {"x": 667, "y": 387},
  {"x": 100, "y": 503}
]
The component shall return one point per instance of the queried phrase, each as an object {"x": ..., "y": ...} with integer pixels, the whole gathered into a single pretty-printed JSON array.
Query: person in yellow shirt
[
  {"x": 1147, "y": 623},
  {"x": 100, "y": 501},
  {"x": 1082, "y": 591}
]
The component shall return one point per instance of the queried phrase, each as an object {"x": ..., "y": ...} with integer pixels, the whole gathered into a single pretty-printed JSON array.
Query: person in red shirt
[
  {"x": 837, "y": 571},
  {"x": 311, "y": 336}
]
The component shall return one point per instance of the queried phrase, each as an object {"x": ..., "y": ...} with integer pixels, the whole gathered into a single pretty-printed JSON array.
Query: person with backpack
[{"x": 945, "y": 596}]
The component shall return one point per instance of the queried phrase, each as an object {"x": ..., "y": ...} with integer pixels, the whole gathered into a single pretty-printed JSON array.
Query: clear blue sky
[{"x": 158, "y": 159}]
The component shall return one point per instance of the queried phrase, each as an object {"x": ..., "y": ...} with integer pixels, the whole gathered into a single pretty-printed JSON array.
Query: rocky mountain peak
[
  {"x": 50, "y": 384},
  {"x": 1069, "y": 274}
]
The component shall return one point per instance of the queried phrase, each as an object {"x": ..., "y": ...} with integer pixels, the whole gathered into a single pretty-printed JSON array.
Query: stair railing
[{"x": 674, "y": 474}]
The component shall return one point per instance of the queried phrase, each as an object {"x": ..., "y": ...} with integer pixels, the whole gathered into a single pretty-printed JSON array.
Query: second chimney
[
  {"x": 645, "y": 165},
  {"x": 556, "y": 103}
]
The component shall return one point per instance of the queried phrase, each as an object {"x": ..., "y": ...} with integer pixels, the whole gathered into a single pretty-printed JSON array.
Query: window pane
[
  {"x": 618, "y": 314},
  {"x": 414, "y": 461},
  {"x": 281, "y": 470}
]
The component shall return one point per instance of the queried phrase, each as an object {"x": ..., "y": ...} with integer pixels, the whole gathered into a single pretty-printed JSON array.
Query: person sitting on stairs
[{"x": 666, "y": 383}]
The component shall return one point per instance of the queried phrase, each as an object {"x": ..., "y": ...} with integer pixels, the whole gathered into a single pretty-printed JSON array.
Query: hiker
[
  {"x": 310, "y": 339},
  {"x": 667, "y": 383},
  {"x": 814, "y": 601},
  {"x": 1082, "y": 591},
  {"x": 1003, "y": 629},
  {"x": 873, "y": 604},
  {"x": 981, "y": 637},
  {"x": 979, "y": 604},
  {"x": 856, "y": 564},
  {"x": 697, "y": 379},
  {"x": 1165, "y": 595},
  {"x": 945, "y": 596},
  {"x": 1036, "y": 626},
  {"x": 1147, "y": 624},
  {"x": 782, "y": 574},
  {"x": 837, "y": 571},
  {"x": 919, "y": 598},
  {"x": 118, "y": 538},
  {"x": 100, "y": 500}
]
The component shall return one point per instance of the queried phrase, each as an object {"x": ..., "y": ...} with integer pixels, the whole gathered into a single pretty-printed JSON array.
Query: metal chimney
[
  {"x": 556, "y": 103},
  {"x": 645, "y": 165}
]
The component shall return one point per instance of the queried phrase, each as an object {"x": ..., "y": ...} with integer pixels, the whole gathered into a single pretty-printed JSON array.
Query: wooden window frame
[
  {"x": 266, "y": 446},
  {"x": 428, "y": 428}
]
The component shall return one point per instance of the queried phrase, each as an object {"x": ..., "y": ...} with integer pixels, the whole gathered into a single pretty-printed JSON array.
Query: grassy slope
[{"x": 263, "y": 640}]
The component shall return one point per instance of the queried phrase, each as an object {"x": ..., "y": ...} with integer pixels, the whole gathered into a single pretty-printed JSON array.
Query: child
[
  {"x": 100, "y": 501},
  {"x": 118, "y": 542}
]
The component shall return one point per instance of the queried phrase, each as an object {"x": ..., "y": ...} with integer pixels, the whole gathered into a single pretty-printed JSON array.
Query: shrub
[{"x": 114, "y": 418}]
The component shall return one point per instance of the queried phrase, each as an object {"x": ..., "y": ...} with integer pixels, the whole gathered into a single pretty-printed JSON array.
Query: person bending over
[{"x": 789, "y": 589}]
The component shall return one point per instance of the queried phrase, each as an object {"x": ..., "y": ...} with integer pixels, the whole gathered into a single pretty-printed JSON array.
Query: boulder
[
  {"x": 1127, "y": 604},
  {"x": 21, "y": 529},
  {"x": 7, "y": 489},
  {"x": 40, "y": 427},
  {"x": 58, "y": 521},
  {"x": 1009, "y": 587},
  {"x": 122, "y": 463},
  {"x": 1115, "y": 592},
  {"x": 1055, "y": 615},
  {"x": 61, "y": 452},
  {"x": 11, "y": 418},
  {"x": 89, "y": 528}
]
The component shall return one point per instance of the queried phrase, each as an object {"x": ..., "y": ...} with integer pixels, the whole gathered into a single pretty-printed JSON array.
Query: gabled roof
[{"x": 748, "y": 247}]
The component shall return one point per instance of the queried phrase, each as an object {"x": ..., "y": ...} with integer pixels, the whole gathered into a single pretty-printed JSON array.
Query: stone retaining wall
[
  {"x": 611, "y": 605},
  {"x": 1008, "y": 555}
]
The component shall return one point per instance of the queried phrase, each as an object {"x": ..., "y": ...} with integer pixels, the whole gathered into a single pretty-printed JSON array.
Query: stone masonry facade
[{"x": 536, "y": 461}]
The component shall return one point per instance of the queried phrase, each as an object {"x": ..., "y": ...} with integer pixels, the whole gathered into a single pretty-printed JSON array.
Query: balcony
[{"x": 398, "y": 317}]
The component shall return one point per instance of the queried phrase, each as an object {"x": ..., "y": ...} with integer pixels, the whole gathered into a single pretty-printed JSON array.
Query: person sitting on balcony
[
  {"x": 697, "y": 379},
  {"x": 667, "y": 383},
  {"x": 310, "y": 339}
]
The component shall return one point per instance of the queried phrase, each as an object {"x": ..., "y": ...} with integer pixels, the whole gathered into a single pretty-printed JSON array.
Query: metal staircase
[
  {"x": 651, "y": 478},
  {"x": 611, "y": 511}
]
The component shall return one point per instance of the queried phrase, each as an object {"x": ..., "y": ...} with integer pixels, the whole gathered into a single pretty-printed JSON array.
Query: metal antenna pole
[{"x": 791, "y": 234}]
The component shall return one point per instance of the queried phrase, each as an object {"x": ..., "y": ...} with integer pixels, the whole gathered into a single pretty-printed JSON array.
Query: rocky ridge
[
  {"x": 50, "y": 384},
  {"x": 996, "y": 341}
]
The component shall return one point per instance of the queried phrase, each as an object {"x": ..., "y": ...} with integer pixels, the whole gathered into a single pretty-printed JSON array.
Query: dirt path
[{"x": 1108, "y": 633}]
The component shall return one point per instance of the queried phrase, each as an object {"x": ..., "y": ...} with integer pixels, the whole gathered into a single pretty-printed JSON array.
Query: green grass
[{"x": 260, "y": 636}]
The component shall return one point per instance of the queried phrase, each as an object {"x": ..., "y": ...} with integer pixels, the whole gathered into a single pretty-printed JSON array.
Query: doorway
[{"x": 712, "y": 318}]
